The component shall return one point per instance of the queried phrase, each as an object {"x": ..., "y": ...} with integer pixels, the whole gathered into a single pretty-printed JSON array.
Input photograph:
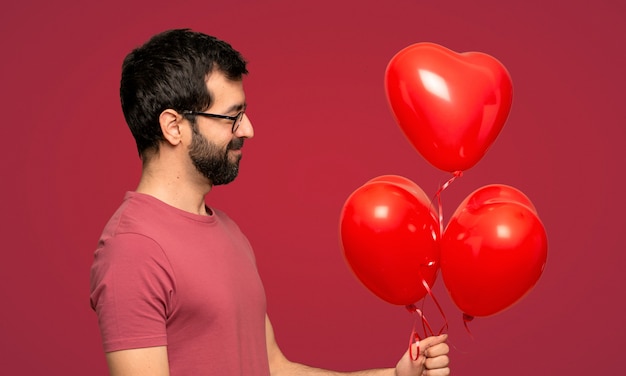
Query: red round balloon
[
  {"x": 493, "y": 193},
  {"x": 405, "y": 183},
  {"x": 493, "y": 251},
  {"x": 389, "y": 239},
  {"x": 450, "y": 106}
]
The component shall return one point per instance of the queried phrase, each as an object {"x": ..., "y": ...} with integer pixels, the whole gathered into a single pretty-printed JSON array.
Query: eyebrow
[{"x": 237, "y": 107}]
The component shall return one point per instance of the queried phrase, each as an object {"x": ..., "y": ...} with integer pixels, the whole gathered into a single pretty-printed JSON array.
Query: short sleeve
[{"x": 132, "y": 287}]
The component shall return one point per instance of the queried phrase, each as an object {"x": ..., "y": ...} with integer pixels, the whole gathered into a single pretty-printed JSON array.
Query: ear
[{"x": 170, "y": 122}]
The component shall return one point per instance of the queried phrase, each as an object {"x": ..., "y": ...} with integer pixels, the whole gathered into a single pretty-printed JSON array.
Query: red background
[{"x": 323, "y": 128}]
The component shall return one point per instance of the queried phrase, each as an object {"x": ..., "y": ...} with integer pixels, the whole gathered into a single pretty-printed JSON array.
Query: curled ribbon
[
  {"x": 466, "y": 319},
  {"x": 427, "y": 329},
  {"x": 455, "y": 175}
]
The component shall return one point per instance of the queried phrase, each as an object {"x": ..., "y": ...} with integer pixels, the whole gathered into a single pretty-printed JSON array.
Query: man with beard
[{"x": 174, "y": 282}]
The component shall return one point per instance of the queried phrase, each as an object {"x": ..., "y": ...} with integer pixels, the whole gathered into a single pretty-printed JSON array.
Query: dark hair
[{"x": 170, "y": 71}]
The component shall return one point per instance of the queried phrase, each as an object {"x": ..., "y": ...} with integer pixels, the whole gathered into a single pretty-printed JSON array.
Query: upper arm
[
  {"x": 148, "y": 361},
  {"x": 132, "y": 292},
  {"x": 275, "y": 356}
]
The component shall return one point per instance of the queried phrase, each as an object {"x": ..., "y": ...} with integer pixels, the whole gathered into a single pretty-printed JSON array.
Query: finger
[
  {"x": 437, "y": 350},
  {"x": 437, "y": 372},
  {"x": 439, "y": 362},
  {"x": 431, "y": 341}
]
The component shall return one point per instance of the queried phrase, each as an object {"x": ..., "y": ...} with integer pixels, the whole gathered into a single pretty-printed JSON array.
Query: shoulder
[
  {"x": 225, "y": 219},
  {"x": 128, "y": 245},
  {"x": 140, "y": 218},
  {"x": 131, "y": 237}
]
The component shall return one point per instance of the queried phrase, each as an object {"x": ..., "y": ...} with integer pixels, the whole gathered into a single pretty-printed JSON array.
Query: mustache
[{"x": 235, "y": 144}]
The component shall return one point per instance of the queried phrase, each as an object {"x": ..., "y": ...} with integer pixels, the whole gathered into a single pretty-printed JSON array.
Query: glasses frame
[{"x": 236, "y": 119}]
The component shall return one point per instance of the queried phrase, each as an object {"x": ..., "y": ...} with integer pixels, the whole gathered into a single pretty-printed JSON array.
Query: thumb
[{"x": 431, "y": 341}]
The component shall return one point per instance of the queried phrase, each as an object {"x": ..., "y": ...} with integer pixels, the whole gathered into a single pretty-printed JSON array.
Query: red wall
[{"x": 323, "y": 128}]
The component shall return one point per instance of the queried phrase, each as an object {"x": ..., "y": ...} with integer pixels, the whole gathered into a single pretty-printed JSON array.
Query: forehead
[{"x": 225, "y": 93}]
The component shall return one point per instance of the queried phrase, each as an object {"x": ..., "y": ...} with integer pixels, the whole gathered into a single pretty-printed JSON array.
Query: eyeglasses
[{"x": 236, "y": 119}]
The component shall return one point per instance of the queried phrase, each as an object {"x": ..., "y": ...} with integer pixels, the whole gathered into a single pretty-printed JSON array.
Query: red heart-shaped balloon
[
  {"x": 450, "y": 106},
  {"x": 389, "y": 236},
  {"x": 493, "y": 250}
]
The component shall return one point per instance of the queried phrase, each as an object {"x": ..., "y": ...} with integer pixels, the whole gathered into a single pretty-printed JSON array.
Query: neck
[{"x": 174, "y": 184}]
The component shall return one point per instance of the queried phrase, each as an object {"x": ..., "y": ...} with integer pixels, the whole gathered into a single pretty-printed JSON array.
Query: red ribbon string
[
  {"x": 455, "y": 175},
  {"x": 444, "y": 327},
  {"x": 414, "y": 338},
  {"x": 466, "y": 319},
  {"x": 427, "y": 329}
]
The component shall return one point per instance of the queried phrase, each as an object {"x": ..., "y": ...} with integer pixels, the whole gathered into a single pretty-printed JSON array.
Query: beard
[{"x": 211, "y": 161}]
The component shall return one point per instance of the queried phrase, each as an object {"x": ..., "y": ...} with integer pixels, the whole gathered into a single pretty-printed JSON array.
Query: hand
[{"x": 432, "y": 360}]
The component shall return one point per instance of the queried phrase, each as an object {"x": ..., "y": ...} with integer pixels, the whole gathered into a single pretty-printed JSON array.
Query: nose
[{"x": 245, "y": 128}]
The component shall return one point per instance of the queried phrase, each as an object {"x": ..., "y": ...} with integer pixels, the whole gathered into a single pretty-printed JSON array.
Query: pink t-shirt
[{"x": 163, "y": 276}]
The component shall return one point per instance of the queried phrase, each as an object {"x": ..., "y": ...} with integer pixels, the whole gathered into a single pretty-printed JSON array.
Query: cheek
[
  {"x": 221, "y": 139},
  {"x": 217, "y": 140}
]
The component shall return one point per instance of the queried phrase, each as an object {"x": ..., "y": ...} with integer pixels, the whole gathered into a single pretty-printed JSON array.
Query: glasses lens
[{"x": 237, "y": 121}]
